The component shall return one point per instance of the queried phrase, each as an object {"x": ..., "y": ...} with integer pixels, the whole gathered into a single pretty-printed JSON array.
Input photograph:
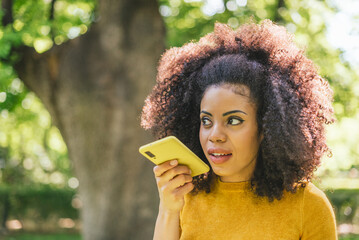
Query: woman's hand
[{"x": 173, "y": 182}]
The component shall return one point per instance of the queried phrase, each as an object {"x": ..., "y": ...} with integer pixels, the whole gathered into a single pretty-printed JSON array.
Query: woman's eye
[
  {"x": 205, "y": 121},
  {"x": 235, "y": 121}
]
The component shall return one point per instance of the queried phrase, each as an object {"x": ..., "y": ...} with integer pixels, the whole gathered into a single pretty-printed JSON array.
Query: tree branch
[
  {"x": 6, "y": 5},
  {"x": 277, "y": 16},
  {"x": 52, "y": 10},
  {"x": 51, "y": 18}
]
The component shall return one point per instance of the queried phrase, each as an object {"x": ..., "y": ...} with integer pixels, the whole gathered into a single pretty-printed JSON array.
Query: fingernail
[{"x": 173, "y": 162}]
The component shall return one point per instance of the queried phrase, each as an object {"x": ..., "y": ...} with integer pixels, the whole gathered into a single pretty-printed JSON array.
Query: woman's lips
[
  {"x": 219, "y": 156},
  {"x": 220, "y": 159}
]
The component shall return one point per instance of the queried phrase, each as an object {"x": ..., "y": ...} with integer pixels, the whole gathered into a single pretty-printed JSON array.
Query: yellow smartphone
[{"x": 170, "y": 148}]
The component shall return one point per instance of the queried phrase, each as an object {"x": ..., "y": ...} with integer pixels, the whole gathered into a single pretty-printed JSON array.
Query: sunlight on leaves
[{"x": 42, "y": 44}]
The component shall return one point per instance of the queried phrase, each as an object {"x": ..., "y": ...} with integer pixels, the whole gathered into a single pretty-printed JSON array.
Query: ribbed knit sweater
[{"x": 232, "y": 212}]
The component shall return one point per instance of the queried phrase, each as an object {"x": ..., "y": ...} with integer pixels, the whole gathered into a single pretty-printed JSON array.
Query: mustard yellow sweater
[{"x": 232, "y": 212}]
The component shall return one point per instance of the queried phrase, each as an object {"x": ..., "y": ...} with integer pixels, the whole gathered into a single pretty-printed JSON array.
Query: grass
[
  {"x": 63, "y": 236},
  {"x": 349, "y": 237},
  {"x": 30, "y": 236}
]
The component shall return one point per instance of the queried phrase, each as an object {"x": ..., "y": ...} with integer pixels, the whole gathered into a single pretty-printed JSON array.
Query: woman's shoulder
[
  {"x": 307, "y": 192},
  {"x": 316, "y": 205},
  {"x": 307, "y": 197},
  {"x": 318, "y": 218},
  {"x": 312, "y": 194}
]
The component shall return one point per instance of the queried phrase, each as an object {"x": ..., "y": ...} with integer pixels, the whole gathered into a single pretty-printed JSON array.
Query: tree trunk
[{"x": 94, "y": 87}]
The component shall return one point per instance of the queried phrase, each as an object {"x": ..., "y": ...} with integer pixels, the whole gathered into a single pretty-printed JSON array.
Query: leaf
[{"x": 5, "y": 48}]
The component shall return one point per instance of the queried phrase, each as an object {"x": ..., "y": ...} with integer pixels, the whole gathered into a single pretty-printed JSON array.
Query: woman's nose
[{"x": 217, "y": 135}]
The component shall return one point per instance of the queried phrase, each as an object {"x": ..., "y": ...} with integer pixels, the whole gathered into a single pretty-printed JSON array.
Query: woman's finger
[
  {"x": 163, "y": 167},
  {"x": 179, "y": 180},
  {"x": 183, "y": 190},
  {"x": 175, "y": 171}
]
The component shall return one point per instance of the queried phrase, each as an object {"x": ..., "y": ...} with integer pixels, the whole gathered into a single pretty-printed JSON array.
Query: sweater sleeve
[{"x": 318, "y": 219}]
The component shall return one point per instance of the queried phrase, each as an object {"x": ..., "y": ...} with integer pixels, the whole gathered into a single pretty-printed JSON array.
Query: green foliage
[
  {"x": 38, "y": 202},
  {"x": 349, "y": 237},
  {"x": 346, "y": 204},
  {"x": 31, "y": 148},
  {"x": 70, "y": 19},
  {"x": 189, "y": 20},
  {"x": 33, "y": 26},
  {"x": 29, "y": 236}
]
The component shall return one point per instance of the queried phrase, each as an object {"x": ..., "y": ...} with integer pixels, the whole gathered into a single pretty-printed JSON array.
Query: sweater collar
[{"x": 232, "y": 186}]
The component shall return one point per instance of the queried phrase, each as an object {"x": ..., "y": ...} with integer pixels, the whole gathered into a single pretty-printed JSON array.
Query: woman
[{"x": 252, "y": 106}]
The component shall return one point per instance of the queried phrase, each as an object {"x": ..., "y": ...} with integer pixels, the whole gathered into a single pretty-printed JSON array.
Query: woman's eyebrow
[
  {"x": 206, "y": 113},
  {"x": 234, "y": 111}
]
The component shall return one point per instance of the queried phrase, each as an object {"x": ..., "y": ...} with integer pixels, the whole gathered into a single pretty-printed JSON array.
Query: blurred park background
[{"x": 41, "y": 177}]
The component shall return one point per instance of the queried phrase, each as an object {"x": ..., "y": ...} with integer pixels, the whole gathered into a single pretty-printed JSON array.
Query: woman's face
[{"x": 229, "y": 133}]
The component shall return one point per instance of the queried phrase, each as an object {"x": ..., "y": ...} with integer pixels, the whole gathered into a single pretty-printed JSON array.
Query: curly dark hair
[{"x": 293, "y": 101}]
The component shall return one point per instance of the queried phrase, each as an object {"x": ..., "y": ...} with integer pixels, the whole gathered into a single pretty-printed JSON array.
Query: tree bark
[{"x": 94, "y": 87}]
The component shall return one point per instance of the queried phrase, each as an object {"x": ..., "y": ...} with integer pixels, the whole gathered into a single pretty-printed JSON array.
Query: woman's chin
[{"x": 219, "y": 171}]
